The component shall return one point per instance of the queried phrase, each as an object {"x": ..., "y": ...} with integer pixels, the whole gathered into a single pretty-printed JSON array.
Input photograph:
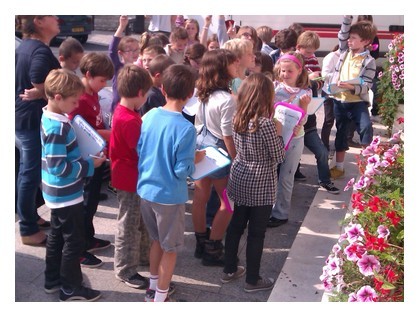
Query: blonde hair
[
  {"x": 309, "y": 39},
  {"x": 302, "y": 80},
  {"x": 238, "y": 46},
  {"x": 63, "y": 82},
  {"x": 265, "y": 33}
]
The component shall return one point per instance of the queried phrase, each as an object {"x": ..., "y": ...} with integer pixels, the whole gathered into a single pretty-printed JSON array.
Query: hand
[
  {"x": 98, "y": 160},
  {"x": 314, "y": 75},
  {"x": 278, "y": 126},
  {"x": 297, "y": 129},
  {"x": 123, "y": 21},
  {"x": 345, "y": 85},
  {"x": 199, "y": 155},
  {"x": 208, "y": 20},
  {"x": 304, "y": 101},
  {"x": 31, "y": 94}
]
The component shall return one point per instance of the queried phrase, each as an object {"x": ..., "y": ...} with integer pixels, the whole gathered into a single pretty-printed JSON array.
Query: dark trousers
[
  {"x": 64, "y": 246},
  {"x": 329, "y": 121},
  {"x": 257, "y": 219},
  {"x": 91, "y": 201}
]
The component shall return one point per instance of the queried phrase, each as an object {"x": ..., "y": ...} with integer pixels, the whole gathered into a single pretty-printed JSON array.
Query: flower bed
[{"x": 367, "y": 262}]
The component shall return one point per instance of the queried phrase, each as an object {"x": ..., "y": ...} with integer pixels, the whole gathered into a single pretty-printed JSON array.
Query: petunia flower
[
  {"x": 366, "y": 294},
  {"x": 368, "y": 264}
]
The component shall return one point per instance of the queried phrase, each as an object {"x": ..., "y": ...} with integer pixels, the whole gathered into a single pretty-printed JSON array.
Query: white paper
[
  {"x": 213, "y": 161},
  {"x": 314, "y": 105}
]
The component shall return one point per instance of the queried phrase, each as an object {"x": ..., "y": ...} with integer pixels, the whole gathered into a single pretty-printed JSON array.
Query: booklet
[
  {"x": 289, "y": 115},
  {"x": 90, "y": 142},
  {"x": 214, "y": 160},
  {"x": 314, "y": 105}
]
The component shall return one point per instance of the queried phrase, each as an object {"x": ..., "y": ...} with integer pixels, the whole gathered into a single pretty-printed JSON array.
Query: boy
[
  {"x": 70, "y": 54},
  {"x": 96, "y": 69},
  {"x": 149, "y": 53},
  {"x": 166, "y": 151},
  {"x": 63, "y": 171},
  {"x": 132, "y": 243},
  {"x": 155, "y": 97},
  {"x": 285, "y": 40},
  {"x": 178, "y": 42},
  {"x": 354, "y": 62}
]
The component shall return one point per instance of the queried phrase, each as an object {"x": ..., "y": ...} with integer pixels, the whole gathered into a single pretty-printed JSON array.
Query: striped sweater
[
  {"x": 367, "y": 71},
  {"x": 63, "y": 168}
]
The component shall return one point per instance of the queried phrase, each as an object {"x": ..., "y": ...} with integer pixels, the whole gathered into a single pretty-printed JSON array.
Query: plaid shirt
[{"x": 253, "y": 176}]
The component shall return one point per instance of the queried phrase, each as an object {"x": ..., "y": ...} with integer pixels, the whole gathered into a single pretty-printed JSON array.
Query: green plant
[
  {"x": 367, "y": 263},
  {"x": 391, "y": 81}
]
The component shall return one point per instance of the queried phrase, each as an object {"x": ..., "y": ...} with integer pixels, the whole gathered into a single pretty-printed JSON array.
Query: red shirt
[
  {"x": 89, "y": 108},
  {"x": 126, "y": 128}
]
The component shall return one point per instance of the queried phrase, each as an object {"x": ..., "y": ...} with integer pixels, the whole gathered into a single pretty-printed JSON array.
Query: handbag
[{"x": 205, "y": 138}]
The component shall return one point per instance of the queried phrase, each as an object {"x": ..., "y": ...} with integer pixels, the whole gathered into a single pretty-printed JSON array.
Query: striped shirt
[{"x": 63, "y": 168}]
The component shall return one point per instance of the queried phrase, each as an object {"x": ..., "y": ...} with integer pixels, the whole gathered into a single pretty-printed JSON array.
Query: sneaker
[
  {"x": 228, "y": 277},
  {"x": 82, "y": 294},
  {"x": 263, "y": 284},
  {"x": 330, "y": 187},
  {"x": 98, "y": 244},
  {"x": 52, "y": 288},
  {"x": 135, "y": 281},
  {"x": 336, "y": 173},
  {"x": 149, "y": 294},
  {"x": 111, "y": 189},
  {"x": 298, "y": 176},
  {"x": 275, "y": 222},
  {"x": 89, "y": 260}
]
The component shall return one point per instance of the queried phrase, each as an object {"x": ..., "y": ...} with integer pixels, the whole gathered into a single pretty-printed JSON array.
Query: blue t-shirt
[{"x": 166, "y": 153}]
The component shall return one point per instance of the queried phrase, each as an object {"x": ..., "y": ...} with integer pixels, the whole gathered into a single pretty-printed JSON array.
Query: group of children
[{"x": 153, "y": 149}]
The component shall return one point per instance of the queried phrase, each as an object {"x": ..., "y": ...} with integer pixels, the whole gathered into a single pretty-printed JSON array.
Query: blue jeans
[
  {"x": 29, "y": 179},
  {"x": 344, "y": 113},
  {"x": 257, "y": 218},
  {"x": 313, "y": 142}
]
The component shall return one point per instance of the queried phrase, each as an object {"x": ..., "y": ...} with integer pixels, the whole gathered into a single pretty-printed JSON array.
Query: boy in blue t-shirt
[
  {"x": 166, "y": 151},
  {"x": 63, "y": 173}
]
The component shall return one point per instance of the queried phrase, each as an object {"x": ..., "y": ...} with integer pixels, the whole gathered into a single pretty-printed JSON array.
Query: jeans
[
  {"x": 257, "y": 218},
  {"x": 344, "y": 113},
  {"x": 315, "y": 145},
  {"x": 64, "y": 247},
  {"x": 329, "y": 120},
  {"x": 29, "y": 179},
  {"x": 282, "y": 205}
]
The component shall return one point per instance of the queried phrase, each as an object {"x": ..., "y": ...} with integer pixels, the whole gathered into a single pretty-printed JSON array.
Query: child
[
  {"x": 354, "y": 62},
  {"x": 122, "y": 50},
  {"x": 63, "y": 171},
  {"x": 155, "y": 97},
  {"x": 96, "y": 69},
  {"x": 307, "y": 44},
  {"x": 214, "y": 121},
  {"x": 178, "y": 42},
  {"x": 292, "y": 87},
  {"x": 253, "y": 178},
  {"x": 166, "y": 151},
  {"x": 132, "y": 243},
  {"x": 148, "y": 55},
  {"x": 285, "y": 40},
  {"x": 192, "y": 27},
  {"x": 70, "y": 54},
  {"x": 265, "y": 33}
]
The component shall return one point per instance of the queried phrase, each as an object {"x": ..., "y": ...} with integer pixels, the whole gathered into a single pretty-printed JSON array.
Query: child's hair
[
  {"x": 265, "y": 33},
  {"x": 122, "y": 46},
  {"x": 178, "y": 33},
  {"x": 131, "y": 80},
  {"x": 178, "y": 82},
  {"x": 63, "y": 82},
  {"x": 365, "y": 18},
  {"x": 159, "y": 64},
  {"x": 365, "y": 29},
  {"x": 194, "y": 52},
  {"x": 212, "y": 38},
  {"x": 254, "y": 100},
  {"x": 298, "y": 60},
  {"x": 97, "y": 64},
  {"x": 297, "y": 27},
  {"x": 193, "y": 21},
  {"x": 213, "y": 72},
  {"x": 151, "y": 39},
  {"x": 309, "y": 39},
  {"x": 154, "y": 49},
  {"x": 238, "y": 46},
  {"x": 69, "y": 47},
  {"x": 267, "y": 65},
  {"x": 286, "y": 40},
  {"x": 251, "y": 31}
]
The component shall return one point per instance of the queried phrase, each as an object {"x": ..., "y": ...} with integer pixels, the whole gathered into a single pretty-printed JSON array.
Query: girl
[
  {"x": 192, "y": 27},
  {"x": 253, "y": 178},
  {"x": 214, "y": 121},
  {"x": 293, "y": 87}
]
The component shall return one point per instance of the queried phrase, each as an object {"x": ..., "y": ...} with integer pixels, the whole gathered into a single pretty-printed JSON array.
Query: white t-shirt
[{"x": 160, "y": 23}]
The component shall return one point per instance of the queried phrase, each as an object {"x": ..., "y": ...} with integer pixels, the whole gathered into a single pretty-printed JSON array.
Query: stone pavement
[{"x": 294, "y": 253}]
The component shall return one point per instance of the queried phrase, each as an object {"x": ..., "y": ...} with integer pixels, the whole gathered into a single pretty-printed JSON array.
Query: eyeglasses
[
  {"x": 246, "y": 34},
  {"x": 132, "y": 51}
]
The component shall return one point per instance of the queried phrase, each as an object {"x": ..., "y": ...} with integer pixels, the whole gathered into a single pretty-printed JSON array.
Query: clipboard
[
  {"x": 314, "y": 105},
  {"x": 212, "y": 162},
  {"x": 334, "y": 89},
  {"x": 90, "y": 142},
  {"x": 289, "y": 115}
]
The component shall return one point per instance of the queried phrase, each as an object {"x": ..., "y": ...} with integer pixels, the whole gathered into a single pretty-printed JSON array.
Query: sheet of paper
[
  {"x": 213, "y": 161},
  {"x": 315, "y": 104},
  {"x": 289, "y": 115}
]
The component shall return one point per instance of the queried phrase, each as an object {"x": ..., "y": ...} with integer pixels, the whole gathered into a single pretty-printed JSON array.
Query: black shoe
[
  {"x": 354, "y": 144},
  {"x": 89, "y": 260},
  {"x": 98, "y": 244},
  {"x": 44, "y": 225},
  {"x": 298, "y": 176},
  {"x": 275, "y": 222},
  {"x": 51, "y": 288},
  {"x": 111, "y": 189},
  {"x": 103, "y": 196},
  {"x": 149, "y": 294},
  {"x": 135, "y": 281},
  {"x": 82, "y": 294},
  {"x": 330, "y": 187}
]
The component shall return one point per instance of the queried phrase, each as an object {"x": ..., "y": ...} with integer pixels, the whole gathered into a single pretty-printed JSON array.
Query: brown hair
[
  {"x": 178, "y": 82},
  {"x": 365, "y": 29},
  {"x": 265, "y": 33},
  {"x": 159, "y": 64},
  {"x": 178, "y": 33},
  {"x": 131, "y": 80},
  {"x": 63, "y": 82},
  {"x": 69, "y": 47},
  {"x": 286, "y": 40},
  {"x": 193, "y": 21},
  {"x": 125, "y": 41},
  {"x": 97, "y": 64},
  {"x": 254, "y": 100}
]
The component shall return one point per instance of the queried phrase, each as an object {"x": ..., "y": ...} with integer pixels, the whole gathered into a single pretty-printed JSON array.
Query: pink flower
[
  {"x": 355, "y": 232},
  {"x": 383, "y": 231},
  {"x": 349, "y": 184},
  {"x": 354, "y": 252},
  {"x": 366, "y": 294},
  {"x": 352, "y": 297},
  {"x": 368, "y": 264}
]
